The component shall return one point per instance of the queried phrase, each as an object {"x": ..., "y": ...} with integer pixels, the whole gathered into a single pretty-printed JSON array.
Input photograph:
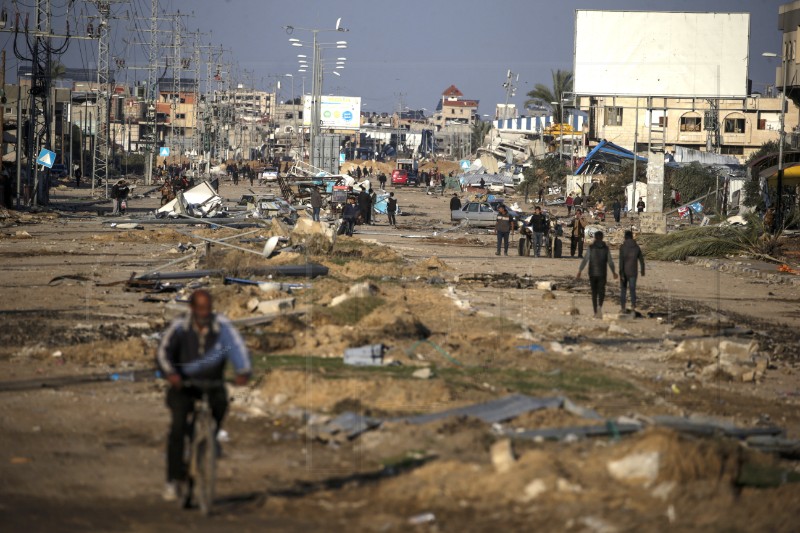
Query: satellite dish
[
  {"x": 269, "y": 247},
  {"x": 338, "y": 23}
]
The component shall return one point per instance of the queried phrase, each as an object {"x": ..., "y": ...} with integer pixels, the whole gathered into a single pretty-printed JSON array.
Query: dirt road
[{"x": 87, "y": 453}]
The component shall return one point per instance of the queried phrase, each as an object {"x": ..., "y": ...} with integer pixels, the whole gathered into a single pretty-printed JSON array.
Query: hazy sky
[{"x": 411, "y": 50}]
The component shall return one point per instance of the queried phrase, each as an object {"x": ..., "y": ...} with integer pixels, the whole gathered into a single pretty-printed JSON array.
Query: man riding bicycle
[{"x": 196, "y": 347}]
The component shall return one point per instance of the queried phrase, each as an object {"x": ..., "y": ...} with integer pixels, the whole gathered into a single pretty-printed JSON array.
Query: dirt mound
[
  {"x": 319, "y": 393},
  {"x": 393, "y": 322},
  {"x": 431, "y": 265},
  {"x": 133, "y": 350}
]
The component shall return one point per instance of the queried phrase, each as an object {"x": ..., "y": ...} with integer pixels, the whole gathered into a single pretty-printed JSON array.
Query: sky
[{"x": 404, "y": 54}]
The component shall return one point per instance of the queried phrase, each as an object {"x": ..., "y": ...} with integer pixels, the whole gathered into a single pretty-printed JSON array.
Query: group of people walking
[{"x": 598, "y": 259}]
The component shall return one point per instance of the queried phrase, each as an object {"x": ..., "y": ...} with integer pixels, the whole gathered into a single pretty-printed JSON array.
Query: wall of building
[{"x": 745, "y": 124}]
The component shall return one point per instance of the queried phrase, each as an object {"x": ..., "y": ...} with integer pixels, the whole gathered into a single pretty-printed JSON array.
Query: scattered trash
[
  {"x": 370, "y": 355},
  {"x": 423, "y": 518},
  {"x": 22, "y": 234},
  {"x": 359, "y": 290},
  {"x": 532, "y": 348},
  {"x": 423, "y": 373}
]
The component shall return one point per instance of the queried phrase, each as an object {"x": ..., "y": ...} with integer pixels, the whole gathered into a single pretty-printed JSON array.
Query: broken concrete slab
[
  {"x": 423, "y": 373},
  {"x": 502, "y": 455},
  {"x": 280, "y": 305},
  {"x": 636, "y": 468}
]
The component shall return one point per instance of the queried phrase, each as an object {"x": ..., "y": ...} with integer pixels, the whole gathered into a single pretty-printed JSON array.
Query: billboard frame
[{"x": 703, "y": 95}]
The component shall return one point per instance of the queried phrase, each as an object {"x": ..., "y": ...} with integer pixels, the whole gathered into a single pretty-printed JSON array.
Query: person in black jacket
[
  {"x": 598, "y": 259},
  {"x": 455, "y": 203},
  {"x": 629, "y": 255},
  {"x": 616, "y": 207},
  {"x": 538, "y": 225},
  {"x": 350, "y": 214},
  {"x": 364, "y": 204},
  {"x": 391, "y": 209}
]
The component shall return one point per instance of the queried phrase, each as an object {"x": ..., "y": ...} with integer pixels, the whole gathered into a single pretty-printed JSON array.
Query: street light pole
[
  {"x": 782, "y": 136},
  {"x": 782, "y": 141}
]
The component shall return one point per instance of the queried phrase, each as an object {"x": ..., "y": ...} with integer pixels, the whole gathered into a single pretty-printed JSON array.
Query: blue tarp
[{"x": 606, "y": 152}]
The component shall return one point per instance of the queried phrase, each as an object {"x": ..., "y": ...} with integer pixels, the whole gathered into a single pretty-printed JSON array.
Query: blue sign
[
  {"x": 347, "y": 115},
  {"x": 46, "y": 158},
  {"x": 163, "y": 151},
  {"x": 697, "y": 207},
  {"x": 341, "y": 158},
  {"x": 465, "y": 164}
]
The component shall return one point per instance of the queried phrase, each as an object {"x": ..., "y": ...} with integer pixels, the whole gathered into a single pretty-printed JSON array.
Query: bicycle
[{"x": 202, "y": 449}]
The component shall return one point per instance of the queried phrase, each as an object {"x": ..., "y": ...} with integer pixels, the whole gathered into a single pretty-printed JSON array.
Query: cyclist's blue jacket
[{"x": 184, "y": 351}]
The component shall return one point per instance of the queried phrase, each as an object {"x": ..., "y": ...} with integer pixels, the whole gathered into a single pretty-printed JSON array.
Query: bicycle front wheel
[{"x": 206, "y": 457}]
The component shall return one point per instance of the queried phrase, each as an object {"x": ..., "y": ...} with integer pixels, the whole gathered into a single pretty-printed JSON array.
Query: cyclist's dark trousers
[{"x": 181, "y": 405}]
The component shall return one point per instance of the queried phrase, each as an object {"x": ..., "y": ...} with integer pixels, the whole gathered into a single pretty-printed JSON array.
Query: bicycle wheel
[{"x": 205, "y": 456}]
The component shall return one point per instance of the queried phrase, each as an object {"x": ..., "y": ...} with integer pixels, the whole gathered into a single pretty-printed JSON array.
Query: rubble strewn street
[{"x": 682, "y": 416}]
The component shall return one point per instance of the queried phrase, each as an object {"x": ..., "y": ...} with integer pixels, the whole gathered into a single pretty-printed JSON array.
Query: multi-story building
[
  {"x": 664, "y": 123},
  {"x": 454, "y": 109}
]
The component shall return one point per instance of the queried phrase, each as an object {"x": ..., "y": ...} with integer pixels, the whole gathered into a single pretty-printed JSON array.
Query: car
[
  {"x": 268, "y": 174},
  {"x": 404, "y": 177},
  {"x": 59, "y": 171},
  {"x": 479, "y": 213}
]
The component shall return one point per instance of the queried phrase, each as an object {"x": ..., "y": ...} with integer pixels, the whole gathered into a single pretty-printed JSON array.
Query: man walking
[
  {"x": 616, "y": 207},
  {"x": 350, "y": 214},
  {"x": 382, "y": 180},
  {"x": 316, "y": 204},
  {"x": 640, "y": 206},
  {"x": 570, "y": 201},
  {"x": 577, "y": 227},
  {"x": 504, "y": 225},
  {"x": 78, "y": 176},
  {"x": 197, "y": 346},
  {"x": 598, "y": 258},
  {"x": 364, "y": 204},
  {"x": 391, "y": 209},
  {"x": 629, "y": 255},
  {"x": 455, "y": 202},
  {"x": 538, "y": 225}
]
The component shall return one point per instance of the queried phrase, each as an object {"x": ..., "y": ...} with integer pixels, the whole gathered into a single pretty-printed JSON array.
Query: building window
[
  {"x": 691, "y": 122},
  {"x": 732, "y": 150},
  {"x": 734, "y": 125},
  {"x": 180, "y": 116},
  {"x": 613, "y": 116},
  {"x": 452, "y": 111}
]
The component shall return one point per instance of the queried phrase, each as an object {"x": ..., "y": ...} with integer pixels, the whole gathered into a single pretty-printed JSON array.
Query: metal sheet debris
[
  {"x": 493, "y": 411},
  {"x": 369, "y": 355}
]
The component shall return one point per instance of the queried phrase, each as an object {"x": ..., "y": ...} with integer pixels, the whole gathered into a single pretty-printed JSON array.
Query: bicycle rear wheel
[{"x": 205, "y": 456}]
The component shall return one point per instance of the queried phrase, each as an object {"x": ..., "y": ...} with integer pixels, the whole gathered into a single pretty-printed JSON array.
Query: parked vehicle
[
  {"x": 268, "y": 174},
  {"x": 479, "y": 213},
  {"x": 59, "y": 171},
  {"x": 405, "y": 173}
]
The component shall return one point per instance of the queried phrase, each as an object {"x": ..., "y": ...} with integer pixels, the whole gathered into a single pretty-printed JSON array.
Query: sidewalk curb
[{"x": 724, "y": 266}]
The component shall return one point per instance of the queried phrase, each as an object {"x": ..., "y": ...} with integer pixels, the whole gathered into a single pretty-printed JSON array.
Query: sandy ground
[{"x": 90, "y": 455}]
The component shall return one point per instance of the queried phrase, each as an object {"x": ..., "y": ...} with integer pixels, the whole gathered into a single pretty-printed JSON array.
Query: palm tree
[
  {"x": 57, "y": 70},
  {"x": 562, "y": 84},
  {"x": 479, "y": 131}
]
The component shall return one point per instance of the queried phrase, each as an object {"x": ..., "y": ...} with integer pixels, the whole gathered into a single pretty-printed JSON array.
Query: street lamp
[
  {"x": 316, "y": 80},
  {"x": 782, "y": 138}
]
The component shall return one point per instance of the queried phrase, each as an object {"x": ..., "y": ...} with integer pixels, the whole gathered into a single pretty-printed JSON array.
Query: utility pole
[
  {"x": 102, "y": 144},
  {"x": 152, "y": 94},
  {"x": 511, "y": 90}
]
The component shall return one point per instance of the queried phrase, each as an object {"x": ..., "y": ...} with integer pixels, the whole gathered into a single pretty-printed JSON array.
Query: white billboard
[
  {"x": 338, "y": 112},
  {"x": 646, "y": 53}
]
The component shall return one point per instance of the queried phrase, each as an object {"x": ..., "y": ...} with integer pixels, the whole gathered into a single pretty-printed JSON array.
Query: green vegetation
[
  {"x": 716, "y": 241},
  {"x": 479, "y": 131},
  {"x": 542, "y": 94},
  {"x": 547, "y": 171},
  {"x": 577, "y": 382},
  {"x": 693, "y": 181}
]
